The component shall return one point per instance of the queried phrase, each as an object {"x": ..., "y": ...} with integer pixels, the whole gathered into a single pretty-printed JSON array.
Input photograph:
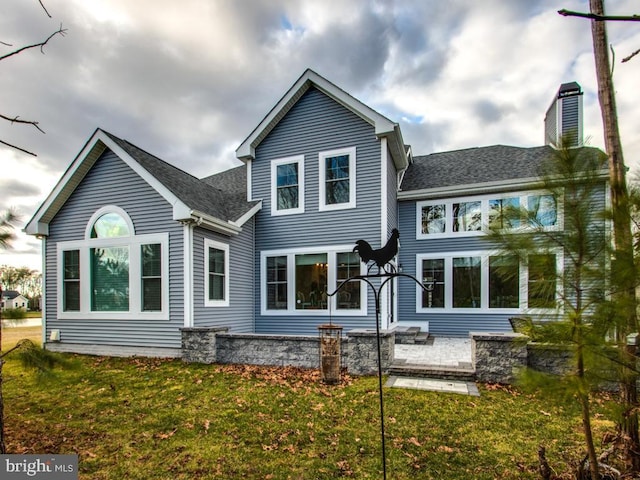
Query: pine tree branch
[{"x": 61, "y": 31}]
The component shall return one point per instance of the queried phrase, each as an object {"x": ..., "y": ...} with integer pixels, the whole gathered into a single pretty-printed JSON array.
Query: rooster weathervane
[{"x": 380, "y": 257}]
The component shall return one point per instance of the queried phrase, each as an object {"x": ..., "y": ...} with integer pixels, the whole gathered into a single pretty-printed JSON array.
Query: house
[
  {"x": 13, "y": 299},
  {"x": 137, "y": 249}
]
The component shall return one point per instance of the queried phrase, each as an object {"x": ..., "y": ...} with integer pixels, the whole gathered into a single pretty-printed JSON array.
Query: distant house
[
  {"x": 13, "y": 299},
  {"x": 137, "y": 249}
]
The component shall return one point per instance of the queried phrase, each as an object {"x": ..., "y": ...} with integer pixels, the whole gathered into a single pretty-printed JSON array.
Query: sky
[{"x": 189, "y": 80}]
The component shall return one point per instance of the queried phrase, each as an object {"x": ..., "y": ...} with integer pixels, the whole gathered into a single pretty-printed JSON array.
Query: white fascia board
[
  {"x": 382, "y": 125},
  {"x": 244, "y": 218},
  {"x": 211, "y": 223},
  {"x": 72, "y": 177},
  {"x": 69, "y": 180}
]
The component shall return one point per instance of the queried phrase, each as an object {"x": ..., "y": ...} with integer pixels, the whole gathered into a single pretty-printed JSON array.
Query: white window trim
[
  {"x": 135, "y": 276},
  {"x": 484, "y": 209},
  {"x": 225, "y": 248},
  {"x": 103, "y": 211},
  {"x": 299, "y": 159},
  {"x": 332, "y": 283},
  {"x": 484, "y": 284},
  {"x": 322, "y": 186}
]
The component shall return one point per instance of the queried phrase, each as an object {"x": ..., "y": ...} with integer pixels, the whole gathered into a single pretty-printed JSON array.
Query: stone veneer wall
[
  {"x": 214, "y": 345},
  {"x": 497, "y": 357}
]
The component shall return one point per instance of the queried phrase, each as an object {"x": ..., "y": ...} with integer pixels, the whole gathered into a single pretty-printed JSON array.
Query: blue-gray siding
[
  {"x": 238, "y": 316},
  {"x": 112, "y": 182},
  {"x": 458, "y": 323},
  {"x": 315, "y": 124}
]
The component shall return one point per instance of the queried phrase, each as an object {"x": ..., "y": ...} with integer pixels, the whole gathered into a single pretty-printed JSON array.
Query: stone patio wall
[
  {"x": 215, "y": 345},
  {"x": 496, "y": 357}
]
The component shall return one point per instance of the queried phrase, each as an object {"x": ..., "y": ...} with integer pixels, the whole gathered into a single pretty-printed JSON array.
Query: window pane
[
  {"x": 504, "y": 282},
  {"x": 110, "y": 225},
  {"x": 216, "y": 287},
  {"x": 337, "y": 180},
  {"x": 542, "y": 281},
  {"x": 110, "y": 279},
  {"x": 542, "y": 210},
  {"x": 287, "y": 186},
  {"x": 433, "y": 219},
  {"x": 151, "y": 294},
  {"x": 311, "y": 281},
  {"x": 151, "y": 255},
  {"x": 348, "y": 266},
  {"x": 467, "y": 217},
  {"x": 216, "y": 260},
  {"x": 216, "y": 274},
  {"x": 71, "y": 281},
  {"x": 433, "y": 280},
  {"x": 71, "y": 259},
  {"x": 151, "y": 260},
  {"x": 466, "y": 282},
  {"x": 504, "y": 213},
  {"x": 277, "y": 283}
]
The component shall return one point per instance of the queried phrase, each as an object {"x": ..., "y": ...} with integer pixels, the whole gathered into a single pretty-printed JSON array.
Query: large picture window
[
  {"x": 216, "y": 274},
  {"x": 113, "y": 273},
  {"x": 287, "y": 185},
  {"x": 297, "y": 282},
  {"x": 469, "y": 216},
  {"x": 337, "y": 187},
  {"x": 481, "y": 281}
]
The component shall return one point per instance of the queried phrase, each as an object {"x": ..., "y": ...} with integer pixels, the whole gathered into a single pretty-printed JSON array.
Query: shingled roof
[
  {"x": 481, "y": 165},
  {"x": 222, "y": 196}
]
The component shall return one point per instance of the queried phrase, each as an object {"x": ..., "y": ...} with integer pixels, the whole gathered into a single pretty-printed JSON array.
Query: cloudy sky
[{"x": 189, "y": 80}]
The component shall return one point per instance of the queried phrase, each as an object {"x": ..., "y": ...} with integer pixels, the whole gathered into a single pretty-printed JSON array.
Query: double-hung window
[
  {"x": 479, "y": 281},
  {"x": 298, "y": 282},
  {"x": 216, "y": 274},
  {"x": 113, "y": 273},
  {"x": 287, "y": 185},
  {"x": 337, "y": 169}
]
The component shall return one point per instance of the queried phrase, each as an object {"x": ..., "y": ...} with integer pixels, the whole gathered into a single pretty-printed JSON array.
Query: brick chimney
[{"x": 564, "y": 117}]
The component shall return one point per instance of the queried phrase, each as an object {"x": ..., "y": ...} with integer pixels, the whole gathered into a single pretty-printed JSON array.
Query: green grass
[{"x": 163, "y": 419}]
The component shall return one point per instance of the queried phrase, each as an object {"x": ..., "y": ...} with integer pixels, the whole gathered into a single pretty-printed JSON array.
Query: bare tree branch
[
  {"x": 17, "y": 120},
  {"x": 600, "y": 18},
  {"x": 44, "y": 8},
  {"x": 18, "y": 148},
  {"x": 626, "y": 59},
  {"x": 61, "y": 31}
]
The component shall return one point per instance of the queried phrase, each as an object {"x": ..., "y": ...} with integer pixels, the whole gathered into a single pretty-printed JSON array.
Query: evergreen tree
[{"x": 568, "y": 276}]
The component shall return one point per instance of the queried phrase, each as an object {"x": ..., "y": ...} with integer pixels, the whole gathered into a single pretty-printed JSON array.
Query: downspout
[
  {"x": 43, "y": 298},
  {"x": 384, "y": 224},
  {"x": 187, "y": 237}
]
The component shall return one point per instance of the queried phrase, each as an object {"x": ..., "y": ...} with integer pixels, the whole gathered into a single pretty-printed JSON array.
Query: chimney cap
[{"x": 569, "y": 89}]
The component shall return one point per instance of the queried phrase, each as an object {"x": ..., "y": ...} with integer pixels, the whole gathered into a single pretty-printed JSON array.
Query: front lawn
[{"x": 163, "y": 419}]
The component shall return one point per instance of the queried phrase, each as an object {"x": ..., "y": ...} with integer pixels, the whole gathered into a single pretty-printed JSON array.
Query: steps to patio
[{"x": 419, "y": 355}]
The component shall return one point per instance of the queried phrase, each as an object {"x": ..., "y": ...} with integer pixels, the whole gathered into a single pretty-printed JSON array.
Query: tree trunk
[{"x": 624, "y": 291}]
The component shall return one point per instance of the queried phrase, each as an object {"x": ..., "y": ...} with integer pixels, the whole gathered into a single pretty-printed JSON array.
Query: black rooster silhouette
[{"x": 383, "y": 255}]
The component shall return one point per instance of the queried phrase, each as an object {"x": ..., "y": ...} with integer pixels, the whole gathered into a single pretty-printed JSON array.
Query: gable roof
[
  {"x": 477, "y": 170},
  {"x": 384, "y": 128},
  {"x": 192, "y": 199},
  {"x": 11, "y": 294}
]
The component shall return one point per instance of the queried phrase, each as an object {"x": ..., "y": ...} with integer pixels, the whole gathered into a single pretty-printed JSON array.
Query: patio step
[
  {"x": 464, "y": 373},
  {"x": 411, "y": 336}
]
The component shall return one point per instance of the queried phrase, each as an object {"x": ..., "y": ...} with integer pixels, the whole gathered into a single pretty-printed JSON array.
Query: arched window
[{"x": 113, "y": 273}]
